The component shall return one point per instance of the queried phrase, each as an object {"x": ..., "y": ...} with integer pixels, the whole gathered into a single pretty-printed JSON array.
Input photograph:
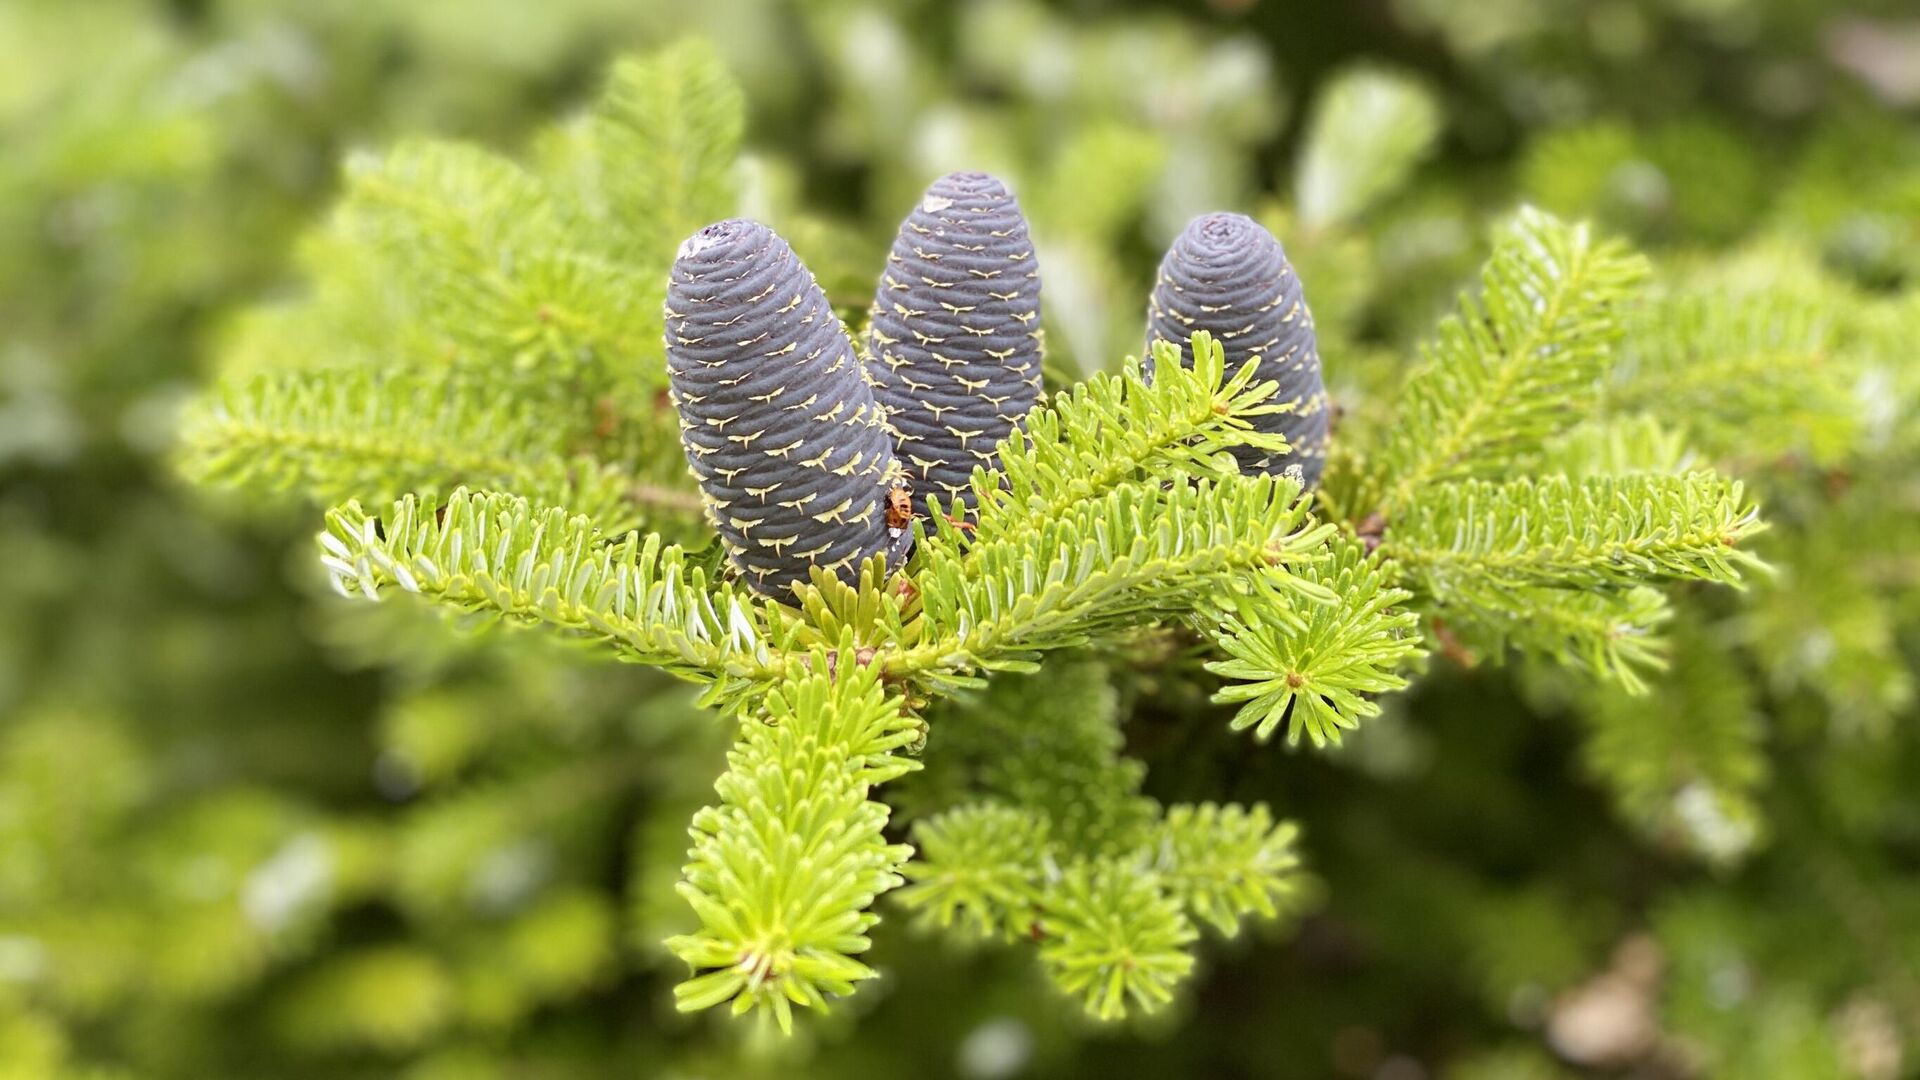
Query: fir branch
[
  {"x": 339, "y": 433},
  {"x": 1136, "y": 554},
  {"x": 655, "y": 160},
  {"x": 1617, "y": 446},
  {"x": 1113, "y": 938},
  {"x": 1471, "y": 543},
  {"x": 1046, "y": 751},
  {"x": 1368, "y": 130},
  {"x": 1831, "y": 622},
  {"x": 1223, "y": 862},
  {"x": 1139, "y": 552},
  {"x": 445, "y": 208},
  {"x": 1684, "y": 762},
  {"x": 1051, "y": 741},
  {"x": 978, "y": 870},
  {"x": 478, "y": 244},
  {"x": 1514, "y": 365},
  {"x": 1316, "y": 670},
  {"x": 1113, "y": 926},
  {"x": 1610, "y": 634},
  {"x": 497, "y": 553},
  {"x": 782, "y": 872},
  {"x": 1749, "y": 374},
  {"x": 1112, "y": 429}
]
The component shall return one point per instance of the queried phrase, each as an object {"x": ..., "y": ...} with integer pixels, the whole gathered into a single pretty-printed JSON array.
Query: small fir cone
[
  {"x": 793, "y": 456},
  {"x": 1227, "y": 275},
  {"x": 953, "y": 346}
]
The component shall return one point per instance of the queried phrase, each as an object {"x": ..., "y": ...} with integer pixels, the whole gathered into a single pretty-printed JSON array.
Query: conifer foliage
[{"x": 1117, "y": 509}]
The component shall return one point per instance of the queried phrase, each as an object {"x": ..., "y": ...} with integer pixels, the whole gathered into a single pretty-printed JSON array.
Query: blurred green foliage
[{"x": 247, "y": 832}]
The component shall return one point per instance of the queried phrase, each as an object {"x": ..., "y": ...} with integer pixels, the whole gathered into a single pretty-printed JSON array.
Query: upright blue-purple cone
[
  {"x": 1227, "y": 275},
  {"x": 953, "y": 347},
  {"x": 792, "y": 453}
]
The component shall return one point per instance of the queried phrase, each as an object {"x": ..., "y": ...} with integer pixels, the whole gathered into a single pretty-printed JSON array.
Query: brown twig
[
  {"x": 1450, "y": 646},
  {"x": 1371, "y": 530}
]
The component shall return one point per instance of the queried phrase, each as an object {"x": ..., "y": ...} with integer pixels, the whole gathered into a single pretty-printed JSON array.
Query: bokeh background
[{"x": 248, "y": 832}]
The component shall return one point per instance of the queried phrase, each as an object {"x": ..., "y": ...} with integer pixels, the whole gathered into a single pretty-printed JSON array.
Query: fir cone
[
  {"x": 1227, "y": 275},
  {"x": 792, "y": 453},
  {"x": 953, "y": 347}
]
